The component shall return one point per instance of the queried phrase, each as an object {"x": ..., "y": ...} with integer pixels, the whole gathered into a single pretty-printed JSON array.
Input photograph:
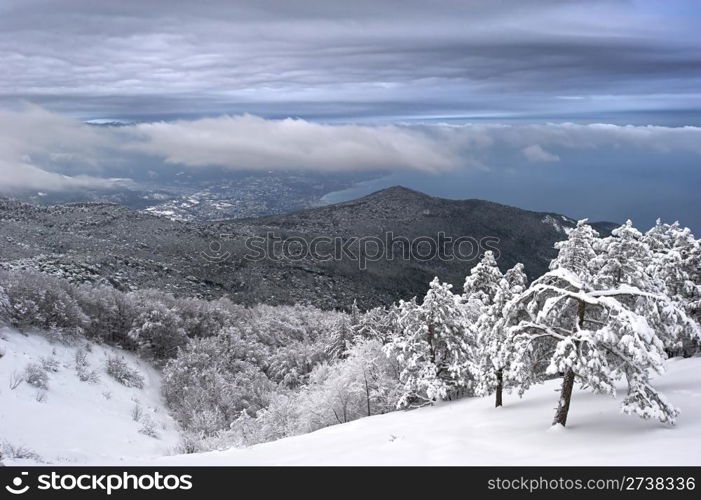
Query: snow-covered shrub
[
  {"x": 111, "y": 314},
  {"x": 213, "y": 379},
  {"x": 90, "y": 376},
  {"x": 81, "y": 358},
  {"x": 200, "y": 318},
  {"x": 148, "y": 427},
  {"x": 4, "y": 306},
  {"x": 364, "y": 382},
  {"x": 35, "y": 374},
  {"x": 41, "y": 301},
  {"x": 291, "y": 340},
  {"x": 379, "y": 323},
  {"x": 82, "y": 366},
  {"x": 18, "y": 452},
  {"x": 190, "y": 442},
  {"x": 50, "y": 364},
  {"x": 118, "y": 368},
  {"x": 16, "y": 380},
  {"x": 244, "y": 431},
  {"x": 328, "y": 399},
  {"x": 280, "y": 419},
  {"x": 136, "y": 412},
  {"x": 158, "y": 331},
  {"x": 209, "y": 421},
  {"x": 221, "y": 440},
  {"x": 290, "y": 365},
  {"x": 367, "y": 382}
]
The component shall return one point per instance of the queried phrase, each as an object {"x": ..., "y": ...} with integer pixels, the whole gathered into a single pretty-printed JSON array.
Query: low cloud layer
[
  {"x": 41, "y": 150},
  {"x": 535, "y": 153},
  {"x": 36, "y": 143},
  {"x": 253, "y": 143}
]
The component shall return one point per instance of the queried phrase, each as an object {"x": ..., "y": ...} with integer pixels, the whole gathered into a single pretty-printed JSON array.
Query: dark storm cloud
[{"x": 352, "y": 60}]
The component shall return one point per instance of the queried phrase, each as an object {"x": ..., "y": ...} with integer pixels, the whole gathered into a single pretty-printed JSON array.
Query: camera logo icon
[{"x": 16, "y": 488}]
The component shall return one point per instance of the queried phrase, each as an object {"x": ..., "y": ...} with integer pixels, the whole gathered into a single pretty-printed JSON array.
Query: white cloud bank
[
  {"x": 32, "y": 140},
  {"x": 535, "y": 153},
  {"x": 36, "y": 144},
  {"x": 250, "y": 142}
]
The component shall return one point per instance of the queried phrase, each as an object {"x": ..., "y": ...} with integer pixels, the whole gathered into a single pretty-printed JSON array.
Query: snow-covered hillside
[
  {"x": 472, "y": 432},
  {"x": 74, "y": 421},
  {"x": 93, "y": 422}
]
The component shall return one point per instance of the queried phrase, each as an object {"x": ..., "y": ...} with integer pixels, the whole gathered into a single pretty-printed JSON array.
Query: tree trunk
[
  {"x": 563, "y": 406},
  {"x": 431, "y": 351},
  {"x": 581, "y": 308},
  {"x": 500, "y": 385},
  {"x": 367, "y": 393},
  {"x": 565, "y": 397}
]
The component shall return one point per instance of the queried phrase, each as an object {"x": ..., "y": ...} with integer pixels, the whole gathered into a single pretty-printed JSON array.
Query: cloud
[
  {"x": 35, "y": 142},
  {"x": 247, "y": 142},
  {"x": 19, "y": 176},
  {"x": 250, "y": 142},
  {"x": 363, "y": 58},
  {"x": 44, "y": 151},
  {"x": 535, "y": 153}
]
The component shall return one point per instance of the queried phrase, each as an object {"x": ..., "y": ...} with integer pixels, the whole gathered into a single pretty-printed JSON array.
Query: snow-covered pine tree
[
  {"x": 626, "y": 259},
  {"x": 597, "y": 329},
  {"x": 515, "y": 282},
  {"x": 622, "y": 259},
  {"x": 435, "y": 347},
  {"x": 660, "y": 237},
  {"x": 355, "y": 315},
  {"x": 492, "y": 334},
  {"x": 528, "y": 359},
  {"x": 481, "y": 286},
  {"x": 676, "y": 263},
  {"x": 340, "y": 340},
  {"x": 688, "y": 292}
]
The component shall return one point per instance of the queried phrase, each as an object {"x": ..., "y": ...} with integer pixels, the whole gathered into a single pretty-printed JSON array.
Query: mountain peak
[{"x": 399, "y": 192}]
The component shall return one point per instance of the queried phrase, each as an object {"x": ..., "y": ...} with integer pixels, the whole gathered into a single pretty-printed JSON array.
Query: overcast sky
[
  {"x": 547, "y": 104},
  {"x": 624, "y": 60}
]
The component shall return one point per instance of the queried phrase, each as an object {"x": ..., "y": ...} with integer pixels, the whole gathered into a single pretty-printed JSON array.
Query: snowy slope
[
  {"x": 79, "y": 422},
  {"x": 472, "y": 432}
]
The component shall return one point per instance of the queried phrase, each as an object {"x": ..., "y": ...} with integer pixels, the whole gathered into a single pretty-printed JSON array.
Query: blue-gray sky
[
  {"x": 628, "y": 60},
  {"x": 489, "y": 99}
]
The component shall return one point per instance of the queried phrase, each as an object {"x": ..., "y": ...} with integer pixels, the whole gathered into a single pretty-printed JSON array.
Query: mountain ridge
[
  {"x": 402, "y": 193},
  {"x": 128, "y": 249}
]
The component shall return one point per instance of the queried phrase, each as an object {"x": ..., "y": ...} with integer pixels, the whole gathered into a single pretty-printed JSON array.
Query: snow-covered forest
[{"x": 606, "y": 317}]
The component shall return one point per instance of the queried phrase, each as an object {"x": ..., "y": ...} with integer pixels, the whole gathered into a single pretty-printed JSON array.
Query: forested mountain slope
[{"x": 93, "y": 242}]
